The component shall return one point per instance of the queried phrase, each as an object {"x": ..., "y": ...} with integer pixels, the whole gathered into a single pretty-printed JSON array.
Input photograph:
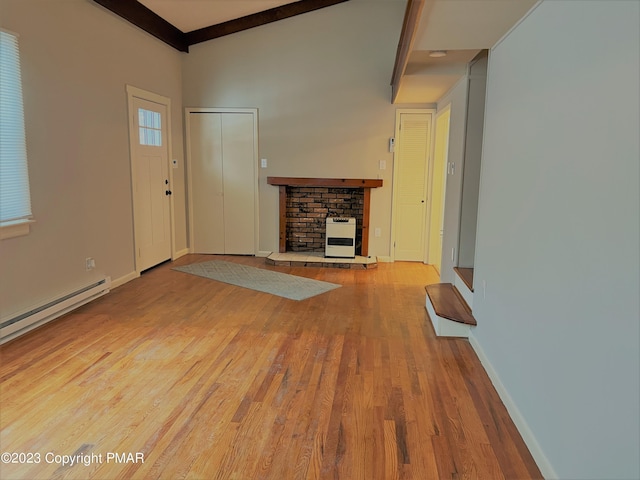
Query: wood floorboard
[{"x": 211, "y": 381}]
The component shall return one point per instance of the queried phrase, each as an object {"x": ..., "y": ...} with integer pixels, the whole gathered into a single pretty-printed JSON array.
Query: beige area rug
[{"x": 275, "y": 283}]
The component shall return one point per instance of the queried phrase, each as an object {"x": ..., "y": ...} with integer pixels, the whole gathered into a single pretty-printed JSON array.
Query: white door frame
[
  {"x": 134, "y": 92},
  {"x": 432, "y": 180},
  {"x": 254, "y": 112},
  {"x": 428, "y": 173}
]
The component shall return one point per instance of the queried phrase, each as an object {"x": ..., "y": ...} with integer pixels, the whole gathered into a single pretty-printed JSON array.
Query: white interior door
[
  {"x": 441, "y": 151},
  {"x": 151, "y": 186},
  {"x": 222, "y": 158},
  {"x": 411, "y": 166}
]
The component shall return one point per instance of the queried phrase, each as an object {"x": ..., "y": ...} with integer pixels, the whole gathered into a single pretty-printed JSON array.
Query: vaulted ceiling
[
  {"x": 461, "y": 28},
  {"x": 181, "y": 23}
]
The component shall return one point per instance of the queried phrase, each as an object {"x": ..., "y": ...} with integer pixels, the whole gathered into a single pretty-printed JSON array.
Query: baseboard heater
[{"x": 20, "y": 324}]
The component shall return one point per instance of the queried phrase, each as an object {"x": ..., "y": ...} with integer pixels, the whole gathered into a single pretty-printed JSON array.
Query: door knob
[{"x": 167, "y": 192}]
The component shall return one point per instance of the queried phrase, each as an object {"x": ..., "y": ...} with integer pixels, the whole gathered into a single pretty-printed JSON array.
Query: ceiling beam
[
  {"x": 257, "y": 19},
  {"x": 407, "y": 36},
  {"x": 144, "y": 18},
  {"x": 147, "y": 20}
]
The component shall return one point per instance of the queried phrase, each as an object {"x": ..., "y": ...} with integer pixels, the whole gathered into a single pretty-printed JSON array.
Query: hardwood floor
[{"x": 212, "y": 381}]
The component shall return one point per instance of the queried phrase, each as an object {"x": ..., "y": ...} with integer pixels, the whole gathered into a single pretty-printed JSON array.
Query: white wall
[
  {"x": 321, "y": 84},
  {"x": 457, "y": 98},
  {"x": 76, "y": 60},
  {"x": 558, "y": 233},
  {"x": 472, "y": 161}
]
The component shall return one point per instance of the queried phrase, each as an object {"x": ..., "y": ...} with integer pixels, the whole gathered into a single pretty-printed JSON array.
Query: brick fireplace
[
  {"x": 305, "y": 203},
  {"x": 307, "y": 209}
]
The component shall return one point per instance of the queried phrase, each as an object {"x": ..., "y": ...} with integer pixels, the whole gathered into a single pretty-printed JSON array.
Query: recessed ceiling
[
  {"x": 467, "y": 24},
  {"x": 189, "y": 15},
  {"x": 454, "y": 62},
  {"x": 462, "y": 28},
  {"x": 427, "y": 79}
]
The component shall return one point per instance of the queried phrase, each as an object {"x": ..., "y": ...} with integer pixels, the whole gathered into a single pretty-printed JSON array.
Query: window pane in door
[{"x": 150, "y": 127}]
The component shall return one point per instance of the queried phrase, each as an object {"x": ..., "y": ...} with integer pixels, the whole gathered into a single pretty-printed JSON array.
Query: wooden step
[
  {"x": 466, "y": 275},
  {"x": 448, "y": 303}
]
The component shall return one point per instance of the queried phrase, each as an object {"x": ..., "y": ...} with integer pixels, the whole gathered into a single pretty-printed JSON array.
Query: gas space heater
[{"x": 340, "y": 238}]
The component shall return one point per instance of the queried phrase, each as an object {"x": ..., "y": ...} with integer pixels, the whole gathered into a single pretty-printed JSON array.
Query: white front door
[
  {"x": 411, "y": 166},
  {"x": 151, "y": 186}
]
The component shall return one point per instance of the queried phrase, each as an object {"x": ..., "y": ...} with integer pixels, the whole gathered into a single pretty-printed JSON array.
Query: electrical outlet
[{"x": 89, "y": 263}]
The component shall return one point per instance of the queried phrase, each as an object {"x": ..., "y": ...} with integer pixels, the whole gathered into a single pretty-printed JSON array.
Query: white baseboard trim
[
  {"x": 521, "y": 424},
  {"x": 263, "y": 253},
  {"x": 181, "y": 253},
  {"x": 384, "y": 259},
  {"x": 124, "y": 279}
]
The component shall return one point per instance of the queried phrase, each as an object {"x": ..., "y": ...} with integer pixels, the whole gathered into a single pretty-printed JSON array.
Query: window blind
[{"x": 15, "y": 200}]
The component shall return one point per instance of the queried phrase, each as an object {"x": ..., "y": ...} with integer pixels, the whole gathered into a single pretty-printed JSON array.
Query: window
[
  {"x": 150, "y": 127},
  {"x": 15, "y": 200}
]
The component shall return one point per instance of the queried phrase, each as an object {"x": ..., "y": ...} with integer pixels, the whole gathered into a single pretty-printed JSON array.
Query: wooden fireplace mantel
[
  {"x": 365, "y": 183},
  {"x": 325, "y": 182}
]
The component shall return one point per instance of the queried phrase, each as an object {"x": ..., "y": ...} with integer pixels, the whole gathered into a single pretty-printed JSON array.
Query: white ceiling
[
  {"x": 461, "y": 27},
  {"x": 467, "y": 24},
  {"x": 189, "y": 15}
]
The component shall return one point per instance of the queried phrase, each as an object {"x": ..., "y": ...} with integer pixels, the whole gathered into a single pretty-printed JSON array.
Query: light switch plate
[{"x": 263, "y": 163}]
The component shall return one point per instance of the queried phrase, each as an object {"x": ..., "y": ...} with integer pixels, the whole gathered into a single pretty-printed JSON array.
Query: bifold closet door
[
  {"x": 222, "y": 182},
  {"x": 238, "y": 183}
]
